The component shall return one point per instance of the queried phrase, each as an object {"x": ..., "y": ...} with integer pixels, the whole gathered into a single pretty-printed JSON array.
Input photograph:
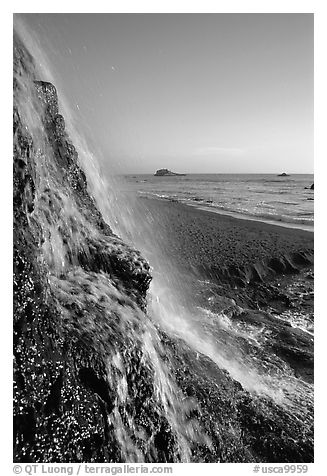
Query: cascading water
[
  {"x": 69, "y": 235},
  {"x": 150, "y": 415}
]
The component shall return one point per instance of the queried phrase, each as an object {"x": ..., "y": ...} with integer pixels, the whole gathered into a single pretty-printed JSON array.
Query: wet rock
[
  {"x": 63, "y": 396},
  {"x": 309, "y": 188},
  {"x": 47, "y": 94},
  {"x": 293, "y": 345}
]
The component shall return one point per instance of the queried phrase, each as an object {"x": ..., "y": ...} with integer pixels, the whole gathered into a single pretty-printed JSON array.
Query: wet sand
[{"x": 228, "y": 247}]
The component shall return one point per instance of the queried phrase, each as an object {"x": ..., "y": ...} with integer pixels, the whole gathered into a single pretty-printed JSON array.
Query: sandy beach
[
  {"x": 259, "y": 277},
  {"x": 230, "y": 248}
]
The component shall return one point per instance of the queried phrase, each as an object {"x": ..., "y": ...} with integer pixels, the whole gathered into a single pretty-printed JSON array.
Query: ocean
[{"x": 266, "y": 197}]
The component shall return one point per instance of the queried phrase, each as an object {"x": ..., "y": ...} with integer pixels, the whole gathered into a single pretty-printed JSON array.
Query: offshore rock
[
  {"x": 166, "y": 172},
  {"x": 312, "y": 187}
]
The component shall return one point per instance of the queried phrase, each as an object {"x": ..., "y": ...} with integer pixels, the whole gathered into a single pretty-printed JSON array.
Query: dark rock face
[
  {"x": 309, "y": 188},
  {"x": 70, "y": 320}
]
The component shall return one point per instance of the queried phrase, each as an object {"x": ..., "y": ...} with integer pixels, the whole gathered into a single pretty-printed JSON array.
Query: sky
[{"x": 195, "y": 93}]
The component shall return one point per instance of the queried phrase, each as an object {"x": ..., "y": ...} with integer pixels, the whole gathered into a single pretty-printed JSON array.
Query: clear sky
[{"x": 196, "y": 93}]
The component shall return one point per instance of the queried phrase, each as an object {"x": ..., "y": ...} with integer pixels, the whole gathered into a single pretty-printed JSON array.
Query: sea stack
[{"x": 165, "y": 173}]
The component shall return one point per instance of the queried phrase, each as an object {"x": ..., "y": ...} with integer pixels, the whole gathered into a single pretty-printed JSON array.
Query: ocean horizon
[{"x": 286, "y": 200}]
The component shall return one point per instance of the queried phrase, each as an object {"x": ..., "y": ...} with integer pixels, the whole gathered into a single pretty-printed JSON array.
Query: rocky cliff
[{"x": 84, "y": 383}]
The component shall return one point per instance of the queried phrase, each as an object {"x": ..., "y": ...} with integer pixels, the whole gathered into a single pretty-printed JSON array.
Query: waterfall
[
  {"x": 75, "y": 249},
  {"x": 122, "y": 324}
]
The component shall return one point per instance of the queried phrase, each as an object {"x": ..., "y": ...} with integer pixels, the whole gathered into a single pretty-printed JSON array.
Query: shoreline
[
  {"x": 232, "y": 250},
  {"x": 237, "y": 216},
  {"x": 259, "y": 275}
]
